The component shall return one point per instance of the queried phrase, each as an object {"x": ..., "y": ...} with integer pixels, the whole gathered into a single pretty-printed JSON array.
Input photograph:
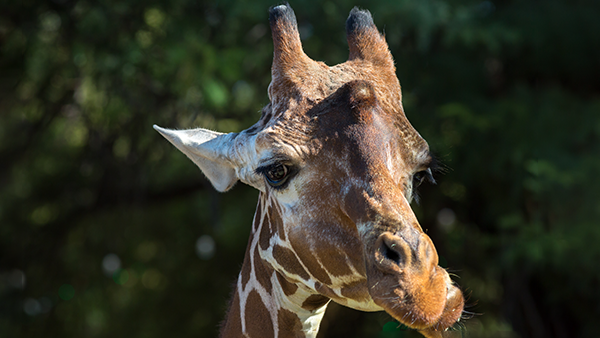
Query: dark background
[{"x": 106, "y": 230}]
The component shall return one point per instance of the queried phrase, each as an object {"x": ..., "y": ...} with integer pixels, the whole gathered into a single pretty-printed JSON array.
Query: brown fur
[
  {"x": 258, "y": 321},
  {"x": 289, "y": 324},
  {"x": 314, "y": 302}
]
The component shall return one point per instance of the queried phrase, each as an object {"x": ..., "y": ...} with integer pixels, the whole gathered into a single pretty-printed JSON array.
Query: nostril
[
  {"x": 392, "y": 251},
  {"x": 389, "y": 253}
]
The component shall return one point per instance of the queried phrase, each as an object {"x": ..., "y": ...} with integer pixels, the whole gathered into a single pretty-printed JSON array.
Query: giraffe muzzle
[{"x": 404, "y": 278}]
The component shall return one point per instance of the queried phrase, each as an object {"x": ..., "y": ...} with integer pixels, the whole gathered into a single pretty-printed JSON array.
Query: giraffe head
[{"x": 336, "y": 162}]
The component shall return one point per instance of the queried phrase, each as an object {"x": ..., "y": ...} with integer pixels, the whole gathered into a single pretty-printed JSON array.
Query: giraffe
[{"x": 336, "y": 163}]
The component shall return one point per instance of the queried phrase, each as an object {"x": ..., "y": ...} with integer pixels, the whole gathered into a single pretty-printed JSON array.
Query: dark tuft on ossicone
[
  {"x": 358, "y": 20},
  {"x": 282, "y": 12}
]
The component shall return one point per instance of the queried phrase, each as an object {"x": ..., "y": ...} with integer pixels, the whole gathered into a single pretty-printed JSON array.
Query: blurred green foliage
[{"x": 108, "y": 231}]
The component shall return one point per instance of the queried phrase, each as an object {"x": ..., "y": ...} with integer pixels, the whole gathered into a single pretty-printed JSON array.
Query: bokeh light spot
[
  {"x": 122, "y": 147},
  {"x": 110, "y": 264},
  {"x": 205, "y": 247},
  {"x": 95, "y": 319},
  {"x": 446, "y": 218},
  {"x": 66, "y": 292},
  {"x": 46, "y": 304},
  {"x": 50, "y": 21},
  {"x": 151, "y": 279},
  {"x": 154, "y": 17},
  {"x": 43, "y": 215},
  {"x": 133, "y": 279},
  {"x": 144, "y": 38},
  {"x": 121, "y": 276},
  {"x": 32, "y": 307},
  {"x": 146, "y": 251}
]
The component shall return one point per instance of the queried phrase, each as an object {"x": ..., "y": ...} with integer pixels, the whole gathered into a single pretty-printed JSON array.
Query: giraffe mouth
[{"x": 404, "y": 279}]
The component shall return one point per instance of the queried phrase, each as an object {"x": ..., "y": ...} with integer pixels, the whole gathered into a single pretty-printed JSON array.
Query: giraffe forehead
[
  {"x": 286, "y": 141},
  {"x": 318, "y": 81},
  {"x": 333, "y": 134},
  {"x": 311, "y": 110}
]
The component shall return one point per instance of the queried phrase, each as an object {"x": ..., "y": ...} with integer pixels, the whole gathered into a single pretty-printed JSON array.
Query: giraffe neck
[{"x": 265, "y": 303}]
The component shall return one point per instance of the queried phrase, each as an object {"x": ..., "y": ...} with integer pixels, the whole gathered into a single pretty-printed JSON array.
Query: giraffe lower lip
[
  {"x": 413, "y": 314},
  {"x": 453, "y": 309}
]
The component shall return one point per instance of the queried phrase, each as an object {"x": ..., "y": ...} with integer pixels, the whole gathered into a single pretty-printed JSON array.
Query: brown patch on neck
[
  {"x": 325, "y": 290},
  {"x": 289, "y": 324},
  {"x": 310, "y": 261},
  {"x": 263, "y": 272},
  {"x": 286, "y": 258},
  {"x": 335, "y": 261},
  {"x": 258, "y": 318},
  {"x": 272, "y": 224},
  {"x": 287, "y": 287},
  {"x": 356, "y": 291},
  {"x": 271, "y": 217},
  {"x": 315, "y": 302}
]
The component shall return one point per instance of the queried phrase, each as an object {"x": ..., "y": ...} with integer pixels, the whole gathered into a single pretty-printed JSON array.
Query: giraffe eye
[
  {"x": 276, "y": 175},
  {"x": 418, "y": 178},
  {"x": 421, "y": 176}
]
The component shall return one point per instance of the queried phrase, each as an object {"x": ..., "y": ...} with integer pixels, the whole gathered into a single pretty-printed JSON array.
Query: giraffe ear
[{"x": 209, "y": 150}]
